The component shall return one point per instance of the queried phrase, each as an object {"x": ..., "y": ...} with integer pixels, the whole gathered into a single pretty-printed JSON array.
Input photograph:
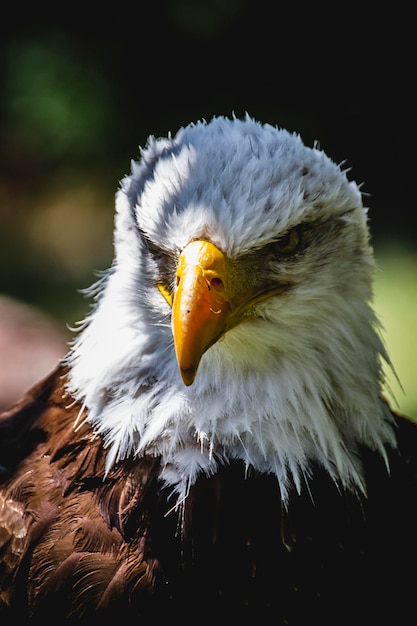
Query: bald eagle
[{"x": 217, "y": 437}]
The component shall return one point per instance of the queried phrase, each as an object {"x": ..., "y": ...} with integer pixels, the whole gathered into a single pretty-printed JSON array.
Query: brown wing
[{"x": 63, "y": 524}]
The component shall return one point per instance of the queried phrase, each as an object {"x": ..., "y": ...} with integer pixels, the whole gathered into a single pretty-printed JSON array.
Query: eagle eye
[{"x": 288, "y": 243}]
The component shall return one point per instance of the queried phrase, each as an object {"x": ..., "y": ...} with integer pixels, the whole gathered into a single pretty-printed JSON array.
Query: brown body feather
[{"x": 76, "y": 543}]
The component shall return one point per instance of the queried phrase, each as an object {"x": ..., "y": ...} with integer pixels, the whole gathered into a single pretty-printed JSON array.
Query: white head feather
[{"x": 301, "y": 382}]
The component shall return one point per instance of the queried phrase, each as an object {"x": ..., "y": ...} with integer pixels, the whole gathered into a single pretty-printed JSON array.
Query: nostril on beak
[{"x": 217, "y": 284}]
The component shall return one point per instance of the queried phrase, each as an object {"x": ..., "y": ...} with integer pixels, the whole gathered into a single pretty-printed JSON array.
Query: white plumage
[{"x": 299, "y": 378}]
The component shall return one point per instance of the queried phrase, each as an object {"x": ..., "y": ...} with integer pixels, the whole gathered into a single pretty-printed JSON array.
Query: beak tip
[{"x": 188, "y": 375}]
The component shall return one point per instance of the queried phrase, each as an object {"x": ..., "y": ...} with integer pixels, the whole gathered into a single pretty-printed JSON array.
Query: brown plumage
[
  {"x": 76, "y": 543},
  {"x": 58, "y": 514}
]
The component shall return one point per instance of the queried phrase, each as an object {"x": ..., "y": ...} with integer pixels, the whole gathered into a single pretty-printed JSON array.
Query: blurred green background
[{"x": 80, "y": 92}]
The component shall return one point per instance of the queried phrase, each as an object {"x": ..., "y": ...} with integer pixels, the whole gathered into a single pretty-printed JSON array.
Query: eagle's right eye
[{"x": 289, "y": 243}]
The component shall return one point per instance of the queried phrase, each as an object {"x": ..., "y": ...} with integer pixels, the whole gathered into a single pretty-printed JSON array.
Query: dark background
[{"x": 82, "y": 88}]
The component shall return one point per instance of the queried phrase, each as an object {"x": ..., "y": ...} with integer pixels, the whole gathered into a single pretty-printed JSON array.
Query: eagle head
[{"x": 236, "y": 319}]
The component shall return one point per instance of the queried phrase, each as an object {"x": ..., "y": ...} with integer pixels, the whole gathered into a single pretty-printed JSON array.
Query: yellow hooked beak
[
  {"x": 201, "y": 304},
  {"x": 213, "y": 294}
]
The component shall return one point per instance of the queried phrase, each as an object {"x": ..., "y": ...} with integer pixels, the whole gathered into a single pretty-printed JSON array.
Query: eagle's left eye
[{"x": 288, "y": 243}]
